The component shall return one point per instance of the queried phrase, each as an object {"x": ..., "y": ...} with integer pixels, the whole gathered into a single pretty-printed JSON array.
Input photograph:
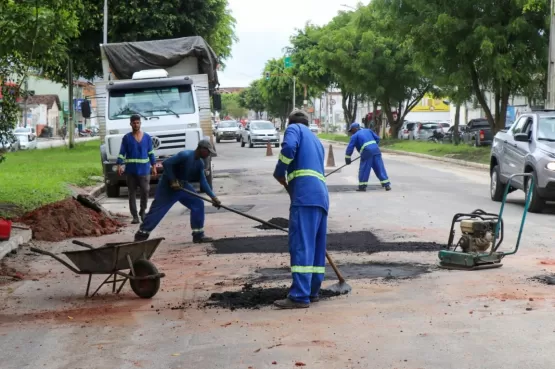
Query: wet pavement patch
[
  {"x": 212, "y": 210},
  {"x": 250, "y": 297},
  {"x": 280, "y": 222},
  {"x": 345, "y": 188},
  {"x": 363, "y": 242},
  {"x": 371, "y": 270},
  {"x": 545, "y": 279}
]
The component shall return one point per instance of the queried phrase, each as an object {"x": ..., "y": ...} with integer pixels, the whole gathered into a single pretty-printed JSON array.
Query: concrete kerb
[
  {"x": 18, "y": 237},
  {"x": 424, "y": 156},
  {"x": 97, "y": 191}
]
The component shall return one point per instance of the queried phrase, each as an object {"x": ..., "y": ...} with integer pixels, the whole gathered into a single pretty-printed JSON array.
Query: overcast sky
[{"x": 264, "y": 27}]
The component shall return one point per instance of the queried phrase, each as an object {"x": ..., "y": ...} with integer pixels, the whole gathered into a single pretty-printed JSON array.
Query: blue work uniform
[
  {"x": 185, "y": 168},
  {"x": 302, "y": 159},
  {"x": 366, "y": 142},
  {"x": 137, "y": 156}
]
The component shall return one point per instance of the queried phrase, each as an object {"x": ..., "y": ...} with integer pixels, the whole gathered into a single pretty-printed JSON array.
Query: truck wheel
[
  {"x": 251, "y": 145},
  {"x": 145, "y": 288},
  {"x": 496, "y": 186},
  {"x": 112, "y": 191},
  {"x": 537, "y": 204}
]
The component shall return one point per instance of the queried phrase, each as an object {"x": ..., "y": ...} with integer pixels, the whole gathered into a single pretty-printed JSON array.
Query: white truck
[{"x": 169, "y": 84}]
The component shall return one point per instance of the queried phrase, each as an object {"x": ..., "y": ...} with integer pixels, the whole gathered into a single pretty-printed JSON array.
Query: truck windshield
[
  {"x": 151, "y": 102},
  {"x": 546, "y": 129}
]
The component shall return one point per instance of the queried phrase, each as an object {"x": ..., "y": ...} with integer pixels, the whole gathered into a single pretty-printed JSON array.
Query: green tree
[
  {"x": 231, "y": 106},
  {"x": 32, "y": 33},
  {"x": 144, "y": 20},
  {"x": 501, "y": 46},
  {"x": 251, "y": 98}
]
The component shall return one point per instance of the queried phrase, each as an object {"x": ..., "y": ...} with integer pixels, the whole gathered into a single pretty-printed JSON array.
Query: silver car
[
  {"x": 423, "y": 131},
  {"x": 528, "y": 146},
  {"x": 260, "y": 132},
  {"x": 227, "y": 130}
]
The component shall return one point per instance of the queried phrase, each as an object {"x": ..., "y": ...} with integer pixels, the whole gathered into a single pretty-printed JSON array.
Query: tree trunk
[
  {"x": 456, "y": 138},
  {"x": 504, "y": 102},
  {"x": 479, "y": 95}
]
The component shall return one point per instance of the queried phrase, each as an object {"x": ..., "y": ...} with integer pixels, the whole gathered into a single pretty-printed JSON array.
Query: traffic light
[{"x": 267, "y": 74}]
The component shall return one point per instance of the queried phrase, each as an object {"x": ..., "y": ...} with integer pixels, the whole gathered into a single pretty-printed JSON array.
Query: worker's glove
[
  {"x": 216, "y": 202},
  {"x": 175, "y": 185},
  {"x": 347, "y": 161}
]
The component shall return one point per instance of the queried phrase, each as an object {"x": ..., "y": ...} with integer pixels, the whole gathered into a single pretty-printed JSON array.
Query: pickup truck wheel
[
  {"x": 496, "y": 187},
  {"x": 112, "y": 191},
  {"x": 537, "y": 204},
  {"x": 242, "y": 142}
]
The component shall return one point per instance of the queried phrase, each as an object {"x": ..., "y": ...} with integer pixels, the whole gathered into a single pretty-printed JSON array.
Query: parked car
[
  {"x": 527, "y": 147},
  {"x": 8, "y": 143},
  {"x": 226, "y": 130},
  {"x": 478, "y": 132},
  {"x": 25, "y": 130},
  {"x": 314, "y": 129},
  {"x": 448, "y": 138},
  {"x": 260, "y": 132},
  {"x": 424, "y": 131},
  {"x": 26, "y": 142},
  {"x": 406, "y": 132}
]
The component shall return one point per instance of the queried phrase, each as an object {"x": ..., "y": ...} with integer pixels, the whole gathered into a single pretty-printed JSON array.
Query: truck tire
[
  {"x": 112, "y": 190},
  {"x": 496, "y": 186},
  {"x": 103, "y": 156},
  {"x": 537, "y": 204}
]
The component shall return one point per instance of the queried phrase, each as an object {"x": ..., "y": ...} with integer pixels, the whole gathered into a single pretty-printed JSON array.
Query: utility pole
[
  {"x": 105, "y": 38},
  {"x": 550, "y": 103},
  {"x": 70, "y": 125}
]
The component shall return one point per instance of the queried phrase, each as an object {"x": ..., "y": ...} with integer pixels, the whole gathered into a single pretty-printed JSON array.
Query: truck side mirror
[
  {"x": 522, "y": 137},
  {"x": 217, "y": 102},
  {"x": 86, "y": 109}
]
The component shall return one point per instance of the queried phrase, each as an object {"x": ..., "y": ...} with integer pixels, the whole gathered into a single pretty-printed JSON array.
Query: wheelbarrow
[{"x": 113, "y": 259}]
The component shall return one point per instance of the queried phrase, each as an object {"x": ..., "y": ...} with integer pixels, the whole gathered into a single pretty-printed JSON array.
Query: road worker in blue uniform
[
  {"x": 179, "y": 170},
  {"x": 366, "y": 142},
  {"x": 300, "y": 170}
]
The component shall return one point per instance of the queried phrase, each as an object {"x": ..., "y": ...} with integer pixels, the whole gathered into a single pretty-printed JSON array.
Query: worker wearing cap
[
  {"x": 366, "y": 142},
  {"x": 179, "y": 170},
  {"x": 302, "y": 160}
]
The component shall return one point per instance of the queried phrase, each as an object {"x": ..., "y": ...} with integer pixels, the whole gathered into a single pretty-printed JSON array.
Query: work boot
[
  {"x": 290, "y": 304},
  {"x": 141, "y": 235},
  {"x": 135, "y": 220},
  {"x": 142, "y": 215},
  {"x": 361, "y": 189},
  {"x": 203, "y": 239},
  {"x": 314, "y": 298},
  {"x": 388, "y": 188}
]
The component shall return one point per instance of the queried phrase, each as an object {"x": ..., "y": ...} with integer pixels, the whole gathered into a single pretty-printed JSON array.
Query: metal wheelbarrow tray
[{"x": 112, "y": 259}]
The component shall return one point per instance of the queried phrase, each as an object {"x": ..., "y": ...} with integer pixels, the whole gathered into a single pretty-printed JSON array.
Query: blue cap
[{"x": 353, "y": 126}]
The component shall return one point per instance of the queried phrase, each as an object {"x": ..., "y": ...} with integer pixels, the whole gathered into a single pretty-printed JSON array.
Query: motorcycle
[{"x": 436, "y": 137}]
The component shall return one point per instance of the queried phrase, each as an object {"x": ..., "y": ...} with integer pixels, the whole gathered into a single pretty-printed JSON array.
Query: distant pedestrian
[
  {"x": 138, "y": 155},
  {"x": 366, "y": 142}
]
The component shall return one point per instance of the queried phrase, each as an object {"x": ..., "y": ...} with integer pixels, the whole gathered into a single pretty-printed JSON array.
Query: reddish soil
[{"x": 68, "y": 219}]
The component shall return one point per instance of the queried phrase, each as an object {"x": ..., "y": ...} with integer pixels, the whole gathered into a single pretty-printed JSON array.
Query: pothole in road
[
  {"x": 545, "y": 279},
  {"x": 388, "y": 271},
  {"x": 280, "y": 222},
  {"x": 212, "y": 210},
  {"x": 358, "y": 242}
]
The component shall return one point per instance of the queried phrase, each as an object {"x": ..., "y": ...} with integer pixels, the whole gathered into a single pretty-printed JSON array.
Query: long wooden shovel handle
[{"x": 335, "y": 269}]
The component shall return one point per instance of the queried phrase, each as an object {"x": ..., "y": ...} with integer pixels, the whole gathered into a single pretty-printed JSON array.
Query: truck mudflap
[{"x": 114, "y": 181}]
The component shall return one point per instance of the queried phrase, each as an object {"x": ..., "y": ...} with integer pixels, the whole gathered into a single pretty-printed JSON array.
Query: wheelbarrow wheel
[{"x": 145, "y": 288}]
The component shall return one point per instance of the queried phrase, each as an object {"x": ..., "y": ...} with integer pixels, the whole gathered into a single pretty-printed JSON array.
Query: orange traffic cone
[
  {"x": 269, "y": 150},
  {"x": 331, "y": 158}
]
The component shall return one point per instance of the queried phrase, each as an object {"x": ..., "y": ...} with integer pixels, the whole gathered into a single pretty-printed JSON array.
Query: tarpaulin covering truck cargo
[{"x": 169, "y": 84}]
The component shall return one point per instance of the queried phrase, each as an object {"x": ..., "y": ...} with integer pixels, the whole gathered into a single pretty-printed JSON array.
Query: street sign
[{"x": 288, "y": 62}]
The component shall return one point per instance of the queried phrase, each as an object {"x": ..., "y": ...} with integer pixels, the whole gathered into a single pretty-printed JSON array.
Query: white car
[
  {"x": 227, "y": 130},
  {"x": 26, "y": 131},
  {"x": 314, "y": 128},
  {"x": 26, "y": 142},
  {"x": 260, "y": 132}
]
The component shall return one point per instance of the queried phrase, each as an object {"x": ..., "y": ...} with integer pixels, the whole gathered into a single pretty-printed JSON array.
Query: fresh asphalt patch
[
  {"x": 357, "y": 242},
  {"x": 280, "y": 222}
]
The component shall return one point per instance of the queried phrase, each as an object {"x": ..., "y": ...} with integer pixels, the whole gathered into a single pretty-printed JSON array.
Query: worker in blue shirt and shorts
[{"x": 179, "y": 170}]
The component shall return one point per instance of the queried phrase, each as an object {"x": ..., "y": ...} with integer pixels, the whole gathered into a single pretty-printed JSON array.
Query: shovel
[{"x": 342, "y": 287}]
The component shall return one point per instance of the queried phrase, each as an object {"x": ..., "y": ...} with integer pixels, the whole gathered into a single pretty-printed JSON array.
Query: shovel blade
[{"x": 341, "y": 288}]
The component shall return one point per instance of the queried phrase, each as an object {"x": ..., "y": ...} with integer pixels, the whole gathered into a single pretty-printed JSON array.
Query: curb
[
  {"x": 463, "y": 163},
  {"x": 18, "y": 237},
  {"x": 97, "y": 191}
]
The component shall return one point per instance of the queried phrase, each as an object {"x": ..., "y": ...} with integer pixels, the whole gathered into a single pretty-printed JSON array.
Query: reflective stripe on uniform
[
  {"x": 308, "y": 269},
  {"x": 347, "y": 156},
  {"x": 138, "y": 161},
  {"x": 285, "y": 159},
  {"x": 386, "y": 181},
  {"x": 121, "y": 157},
  {"x": 198, "y": 230},
  {"x": 366, "y": 144},
  {"x": 304, "y": 173},
  {"x": 363, "y": 183},
  {"x": 151, "y": 152}
]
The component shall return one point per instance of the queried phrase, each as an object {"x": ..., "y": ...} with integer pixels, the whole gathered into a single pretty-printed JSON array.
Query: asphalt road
[{"x": 438, "y": 320}]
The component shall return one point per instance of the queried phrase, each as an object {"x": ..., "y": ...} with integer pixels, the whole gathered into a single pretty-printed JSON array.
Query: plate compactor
[{"x": 482, "y": 234}]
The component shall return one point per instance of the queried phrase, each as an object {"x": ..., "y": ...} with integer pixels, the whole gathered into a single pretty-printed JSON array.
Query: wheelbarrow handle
[
  {"x": 76, "y": 242},
  {"x": 44, "y": 252}
]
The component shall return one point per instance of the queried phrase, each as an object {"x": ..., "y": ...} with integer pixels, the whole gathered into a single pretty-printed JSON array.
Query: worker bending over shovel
[
  {"x": 180, "y": 169},
  {"x": 302, "y": 158},
  {"x": 366, "y": 143}
]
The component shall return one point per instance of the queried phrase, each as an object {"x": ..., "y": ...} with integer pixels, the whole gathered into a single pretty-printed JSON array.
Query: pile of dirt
[
  {"x": 280, "y": 222},
  {"x": 68, "y": 219},
  {"x": 254, "y": 297}
]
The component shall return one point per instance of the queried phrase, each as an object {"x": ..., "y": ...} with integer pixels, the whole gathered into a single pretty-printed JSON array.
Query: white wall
[{"x": 428, "y": 116}]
